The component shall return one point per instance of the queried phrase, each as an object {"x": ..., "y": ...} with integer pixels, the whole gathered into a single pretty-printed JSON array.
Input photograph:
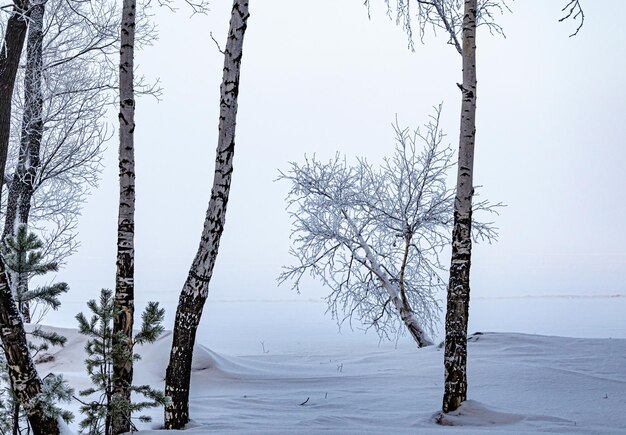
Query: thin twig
[
  {"x": 217, "y": 43},
  {"x": 574, "y": 10}
]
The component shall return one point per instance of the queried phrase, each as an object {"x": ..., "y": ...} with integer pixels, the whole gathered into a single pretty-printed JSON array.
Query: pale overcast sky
[{"x": 321, "y": 77}]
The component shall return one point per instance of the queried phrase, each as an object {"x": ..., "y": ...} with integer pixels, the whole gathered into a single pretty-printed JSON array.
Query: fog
[{"x": 321, "y": 77}]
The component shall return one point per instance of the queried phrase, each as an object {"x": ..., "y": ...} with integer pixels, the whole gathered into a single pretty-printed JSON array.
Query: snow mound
[
  {"x": 475, "y": 414},
  {"x": 472, "y": 413},
  {"x": 519, "y": 383}
]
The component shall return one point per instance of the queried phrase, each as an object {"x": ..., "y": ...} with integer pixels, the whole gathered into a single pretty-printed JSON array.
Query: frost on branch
[
  {"x": 442, "y": 16},
  {"x": 374, "y": 235}
]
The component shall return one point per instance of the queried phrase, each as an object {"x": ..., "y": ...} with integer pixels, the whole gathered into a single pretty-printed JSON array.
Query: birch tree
[
  {"x": 18, "y": 204},
  {"x": 23, "y": 376},
  {"x": 74, "y": 108},
  {"x": 459, "y": 19},
  {"x": 374, "y": 236},
  {"x": 79, "y": 80},
  {"x": 55, "y": 151},
  {"x": 12, "y": 44},
  {"x": 457, "y": 313},
  {"x": 195, "y": 290},
  {"x": 124, "y": 278},
  {"x": 58, "y": 110}
]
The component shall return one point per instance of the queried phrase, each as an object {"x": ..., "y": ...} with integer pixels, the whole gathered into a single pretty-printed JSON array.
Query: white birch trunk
[
  {"x": 23, "y": 376},
  {"x": 124, "y": 279},
  {"x": 196, "y": 287},
  {"x": 22, "y": 186},
  {"x": 455, "y": 361}
]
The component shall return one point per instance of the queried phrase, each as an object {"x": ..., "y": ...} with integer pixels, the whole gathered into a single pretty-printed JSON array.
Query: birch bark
[
  {"x": 455, "y": 356},
  {"x": 124, "y": 279},
  {"x": 196, "y": 287},
  {"x": 10, "y": 53},
  {"x": 23, "y": 184},
  {"x": 23, "y": 376}
]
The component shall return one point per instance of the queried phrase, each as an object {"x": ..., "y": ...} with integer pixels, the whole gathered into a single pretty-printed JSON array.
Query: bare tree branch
[
  {"x": 573, "y": 10},
  {"x": 216, "y": 43},
  {"x": 373, "y": 235},
  {"x": 445, "y": 15}
]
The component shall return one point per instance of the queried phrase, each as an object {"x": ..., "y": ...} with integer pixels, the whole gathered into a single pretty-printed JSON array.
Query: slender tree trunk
[
  {"x": 23, "y": 185},
  {"x": 455, "y": 359},
  {"x": 124, "y": 280},
  {"x": 21, "y": 287},
  {"x": 396, "y": 296},
  {"x": 10, "y": 53},
  {"x": 16, "y": 418},
  {"x": 412, "y": 324},
  {"x": 23, "y": 376},
  {"x": 196, "y": 287}
]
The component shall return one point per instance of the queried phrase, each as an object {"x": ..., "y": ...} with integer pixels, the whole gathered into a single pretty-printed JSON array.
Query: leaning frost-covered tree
[
  {"x": 196, "y": 288},
  {"x": 459, "y": 20},
  {"x": 23, "y": 376},
  {"x": 374, "y": 235}
]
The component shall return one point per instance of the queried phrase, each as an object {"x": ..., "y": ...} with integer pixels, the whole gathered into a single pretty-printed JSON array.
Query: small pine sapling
[
  {"x": 23, "y": 256},
  {"x": 105, "y": 406},
  {"x": 54, "y": 389}
]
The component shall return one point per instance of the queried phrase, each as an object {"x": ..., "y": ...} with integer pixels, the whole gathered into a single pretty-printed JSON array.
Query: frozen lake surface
[{"x": 239, "y": 327}]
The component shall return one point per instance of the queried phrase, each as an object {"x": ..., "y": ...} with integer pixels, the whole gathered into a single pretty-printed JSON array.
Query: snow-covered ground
[{"x": 281, "y": 367}]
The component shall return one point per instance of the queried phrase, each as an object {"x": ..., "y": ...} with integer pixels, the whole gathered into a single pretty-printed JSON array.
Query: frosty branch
[
  {"x": 443, "y": 15},
  {"x": 197, "y": 6},
  {"x": 447, "y": 16},
  {"x": 374, "y": 235}
]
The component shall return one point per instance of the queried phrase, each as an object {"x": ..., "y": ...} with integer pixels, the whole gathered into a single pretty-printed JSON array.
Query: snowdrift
[{"x": 518, "y": 383}]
